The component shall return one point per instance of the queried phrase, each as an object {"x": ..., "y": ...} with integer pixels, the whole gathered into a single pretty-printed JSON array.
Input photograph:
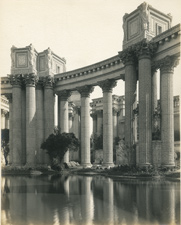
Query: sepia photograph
[{"x": 90, "y": 112}]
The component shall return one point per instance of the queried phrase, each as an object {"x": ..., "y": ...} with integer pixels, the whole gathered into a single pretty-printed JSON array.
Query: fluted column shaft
[
  {"x": 9, "y": 97},
  {"x": 167, "y": 114},
  {"x": 64, "y": 116},
  {"x": 3, "y": 118},
  {"x": 94, "y": 120},
  {"x": 23, "y": 123},
  {"x": 145, "y": 110},
  {"x": 99, "y": 122},
  {"x": 85, "y": 124},
  {"x": 154, "y": 90},
  {"x": 16, "y": 117},
  {"x": 39, "y": 123},
  {"x": 48, "y": 109},
  {"x": 115, "y": 123},
  {"x": 7, "y": 121},
  {"x": 130, "y": 89},
  {"x": 107, "y": 121},
  {"x": 30, "y": 119}
]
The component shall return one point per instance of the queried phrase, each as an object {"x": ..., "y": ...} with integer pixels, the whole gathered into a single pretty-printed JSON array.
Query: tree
[{"x": 57, "y": 144}]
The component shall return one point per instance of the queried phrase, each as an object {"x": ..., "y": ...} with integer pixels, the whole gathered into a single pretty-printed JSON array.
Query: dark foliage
[{"x": 57, "y": 144}]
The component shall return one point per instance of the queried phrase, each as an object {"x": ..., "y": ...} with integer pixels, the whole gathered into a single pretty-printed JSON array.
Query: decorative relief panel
[
  {"x": 42, "y": 63},
  {"x": 133, "y": 28},
  {"x": 22, "y": 59}
]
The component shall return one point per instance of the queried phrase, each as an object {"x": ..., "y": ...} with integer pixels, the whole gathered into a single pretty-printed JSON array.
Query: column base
[
  {"x": 86, "y": 165},
  {"x": 144, "y": 165},
  {"x": 108, "y": 165},
  {"x": 168, "y": 165}
]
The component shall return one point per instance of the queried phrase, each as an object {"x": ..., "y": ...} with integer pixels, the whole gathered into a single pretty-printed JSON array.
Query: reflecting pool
[{"x": 82, "y": 200}]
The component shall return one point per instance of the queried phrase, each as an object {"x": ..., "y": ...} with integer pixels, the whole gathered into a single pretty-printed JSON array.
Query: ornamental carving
[
  {"x": 85, "y": 90},
  {"x": 15, "y": 79},
  {"x": 114, "y": 111},
  {"x": 145, "y": 48},
  {"x": 9, "y": 96},
  {"x": 48, "y": 81},
  {"x": 64, "y": 95},
  {"x": 167, "y": 64},
  {"x": 128, "y": 56},
  {"x": 30, "y": 79},
  {"x": 107, "y": 85}
]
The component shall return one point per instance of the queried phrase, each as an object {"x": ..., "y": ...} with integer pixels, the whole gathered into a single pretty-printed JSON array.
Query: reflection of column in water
[
  {"x": 87, "y": 205},
  {"x": 66, "y": 187},
  {"x": 143, "y": 200},
  {"x": 66, "y": 217},
  {"x": 18, "y": 201},
  {"x": 108, "y": 198},
  {"x": 168, "y": 203}
]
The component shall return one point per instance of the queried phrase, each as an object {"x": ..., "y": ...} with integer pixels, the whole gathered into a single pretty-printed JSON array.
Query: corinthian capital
[
  {"x": 48, "y": 82},
  {"x": 64, "y": 95},
  {"x": 85, "y": 90},
  {"x": 145, "y": 48},
  {"x": 127, "y": 56},
  {"x": 30, "y": 79},
  {"x": 168, "y": 63},
  {"x": 15, "y": 80},
  {"x": 107, "y": 85}
]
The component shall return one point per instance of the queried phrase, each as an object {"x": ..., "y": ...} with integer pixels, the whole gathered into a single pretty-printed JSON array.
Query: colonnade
[{"x": 139, "y": 65}]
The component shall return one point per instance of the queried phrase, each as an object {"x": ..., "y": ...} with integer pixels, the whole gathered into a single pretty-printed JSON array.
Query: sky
[{"x": 82, "y": 31}]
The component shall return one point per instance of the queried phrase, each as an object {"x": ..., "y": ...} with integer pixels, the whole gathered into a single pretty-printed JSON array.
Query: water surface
[{"x": 86, "y": 200}]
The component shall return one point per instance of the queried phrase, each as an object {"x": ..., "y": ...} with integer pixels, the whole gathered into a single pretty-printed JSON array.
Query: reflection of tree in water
[{"x": 57, "y": 199}]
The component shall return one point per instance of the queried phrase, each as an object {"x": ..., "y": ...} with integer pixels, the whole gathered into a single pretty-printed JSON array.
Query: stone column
[
  {"x": 64, "y": 116},
  {"x": 3, "y": 118},
  {"x": 154, "y": 89},
  {"x": 85, "y": 124},
  {"x": 94, "y": 119},
  {"x": 99, "y": 122},
  {"x": 144, "y": 53},
  {"x": 76, "y": 124},
  {"x": 48, "y": 82},
  {"x": 71, "y": 115},
  {"x": 9, "y": 97},
  {"x": 107, "y": 86},
  {"x": 16, "y": 82},
  {"x": 115, "y": 123},
  {"x": 7, "y": 120},
  {"x": 23, "y": 123},
  {"x": 40, "y": 122},
  {"x": 167, "y": 115},
  {"x": 30, "y": 81},
  {"x": 128, "y": 58}
]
